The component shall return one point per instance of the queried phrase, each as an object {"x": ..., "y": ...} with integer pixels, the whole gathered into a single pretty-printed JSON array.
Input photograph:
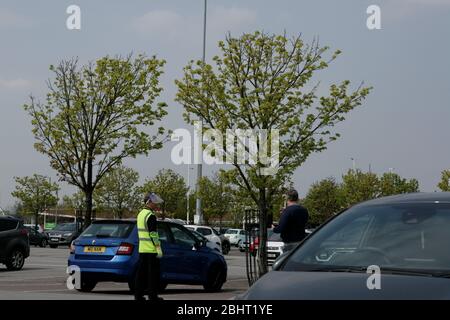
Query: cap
[{"x": 152, "y": 197}]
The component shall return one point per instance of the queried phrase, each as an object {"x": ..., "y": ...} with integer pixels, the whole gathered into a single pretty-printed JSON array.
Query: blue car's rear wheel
[{"x": 87, "y": 285}]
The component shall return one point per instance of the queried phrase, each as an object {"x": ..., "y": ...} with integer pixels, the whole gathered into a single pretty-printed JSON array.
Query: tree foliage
[
  {"x": 324, "y": 198},
  {"x": 358, "y": 186},
  {"x": 94, "y": 116},
  {"x": 216, "y": 197},
  {"x": 264, "y": 81},
  {"x": 76, "y": 201},
  {"x": 444, "y": 184},
  {"x": 171, "y": 187},
  {"x": 118, "y": 192},
  {"x": 35, "y": 193},
  {"x": 391, "y": 183}
]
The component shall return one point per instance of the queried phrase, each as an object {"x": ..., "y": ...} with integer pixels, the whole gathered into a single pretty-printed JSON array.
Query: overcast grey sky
[{"x": 402, "y": 125}]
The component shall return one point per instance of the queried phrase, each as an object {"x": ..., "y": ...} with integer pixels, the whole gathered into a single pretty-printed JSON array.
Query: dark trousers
[{"x": 147, "y": 276}]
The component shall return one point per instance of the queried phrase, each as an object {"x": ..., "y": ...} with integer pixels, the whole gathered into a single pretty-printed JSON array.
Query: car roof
[
  {"x": 127, "y": 221},
  {"x": 10, "y": 218},
  {"x": 196, "y": 226},
  {"x": 419, "y": 197}
]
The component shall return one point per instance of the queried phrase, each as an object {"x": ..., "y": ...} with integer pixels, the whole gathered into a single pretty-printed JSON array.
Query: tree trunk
[
  {"x": 262, "y": 249},
  {"x": 88, "y": 214},
  {"x": 88, "y": 192}
]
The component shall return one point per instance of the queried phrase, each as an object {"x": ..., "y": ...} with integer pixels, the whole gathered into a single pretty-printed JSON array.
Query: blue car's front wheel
[{"x": 215, "y": 279}]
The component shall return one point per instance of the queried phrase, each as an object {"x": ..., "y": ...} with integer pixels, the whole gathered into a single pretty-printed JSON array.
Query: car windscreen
[
  {"x": 232, "y": 231},
  {"x": 395, "y": 237},
  {"x": 198, "y": 236},
  {"x": 108, "y": 230},
  {"x": 65, "y": 227},
  {"x": 274, "y": 236}
]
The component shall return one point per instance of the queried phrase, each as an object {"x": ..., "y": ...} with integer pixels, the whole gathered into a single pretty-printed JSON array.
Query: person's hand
[{"x": 159, "y": 252}]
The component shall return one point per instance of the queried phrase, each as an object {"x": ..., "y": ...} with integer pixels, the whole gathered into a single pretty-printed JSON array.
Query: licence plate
[
  {"x": 271, "y": 255},
  {"x": 94, "y": 249},
  {"x": 54, "y": 239}
]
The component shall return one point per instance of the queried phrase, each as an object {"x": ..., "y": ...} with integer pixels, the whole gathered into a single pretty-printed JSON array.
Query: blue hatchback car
[{"x": 108, "y": 251}]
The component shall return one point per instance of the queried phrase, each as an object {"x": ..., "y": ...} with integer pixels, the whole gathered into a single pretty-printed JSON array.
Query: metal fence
[{"x": 251, "y": 225}]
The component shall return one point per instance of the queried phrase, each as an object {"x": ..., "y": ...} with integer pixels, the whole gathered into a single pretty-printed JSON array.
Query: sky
[{"x": 402, "y": 125}]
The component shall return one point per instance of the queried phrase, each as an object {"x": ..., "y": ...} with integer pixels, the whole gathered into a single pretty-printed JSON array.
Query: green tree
[
  {"x": 324, "y": 198},
  {"x": 76, "y": 201},
  {"x": 358, "y": 186},
  {"x": 216, "y": 197},
  {"x": 35, "y": 193},
  {"x": 94, "y": 116},
  {"x": 391, "y": 183},
  {"x": 118, "y": 191},
  {"x": 265, "y": 81},
  {"x": 171, "y": 187},
  {"x": 444, "y": 184}
]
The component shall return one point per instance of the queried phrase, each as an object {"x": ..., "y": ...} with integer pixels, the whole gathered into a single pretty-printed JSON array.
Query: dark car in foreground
[
  {"x": 63, "y": 234},
  {"x": 108, "y": 251},
  {"x": 14, "y": 243},
  {"x": 405, "y": 236}
]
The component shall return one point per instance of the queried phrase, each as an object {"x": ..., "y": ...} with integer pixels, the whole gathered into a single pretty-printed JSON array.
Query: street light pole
[
  {"x": 188, "y": 193},
  {"x": 198, "y": 207},
  {"x": 353, "y": 163}
]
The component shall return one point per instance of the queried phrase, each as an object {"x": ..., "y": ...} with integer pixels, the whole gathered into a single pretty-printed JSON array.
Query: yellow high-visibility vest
[{"x": 148, "y": 241}]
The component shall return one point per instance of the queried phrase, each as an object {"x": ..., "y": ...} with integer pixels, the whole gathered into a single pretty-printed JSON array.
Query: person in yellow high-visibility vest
[{"x": 148, "y": 270}]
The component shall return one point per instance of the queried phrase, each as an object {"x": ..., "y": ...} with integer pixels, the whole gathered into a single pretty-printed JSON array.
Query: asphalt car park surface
[{"x": 44, "y": 277}]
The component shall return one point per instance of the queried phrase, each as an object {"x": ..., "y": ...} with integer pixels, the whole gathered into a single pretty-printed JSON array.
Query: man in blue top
[{"x": 292, "y": 222}]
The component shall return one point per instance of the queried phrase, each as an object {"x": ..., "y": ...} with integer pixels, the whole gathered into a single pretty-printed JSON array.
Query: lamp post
[
  {"x": 188, "y": 193},
  {"x": 198, "y": 207}
]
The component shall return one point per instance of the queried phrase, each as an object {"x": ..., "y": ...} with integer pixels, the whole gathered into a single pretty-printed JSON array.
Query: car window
[
  {"x": 216, "y": 232},
  {"x": 163, "y": 232},
  {"x": 108, "y": 230},
  {"x": 232, "y": 231},
  {"x": 274, "y": 237},
  {"x": 65, "y": 227},
  {"x": 242, "y": 232},
  {"x": 31, "y": 230},
  {"x": 182, "y": 237},
  {"x": 204, "y": 231},
  {"x": 398, "y": 236},
  {"x": 6, "y": 225}
]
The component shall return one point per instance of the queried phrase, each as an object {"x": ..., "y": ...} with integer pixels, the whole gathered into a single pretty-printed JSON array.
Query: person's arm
[
  {"x": 151, "y": 225},
  {"x": 283, "y": 223}
]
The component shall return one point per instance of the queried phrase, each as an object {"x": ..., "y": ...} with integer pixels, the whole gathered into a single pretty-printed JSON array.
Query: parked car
[
  {"x": 275, "y": 247},
  {"x": 206, "y": 231},
  {"x": 403, "y": 235},
  {"x": 108, "y": 251},
  {"x": 63, "y": 234},
  {"x": 275, "y": 244},
  {"x": 226, "y": 246},
  {"x": 37, "y": 238},
  {"x": 33, "y": 226},
  {"x": 14, "y": 243},
  {"x": 208, "y": 243},
  {"x": 236, "y": 236}
]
